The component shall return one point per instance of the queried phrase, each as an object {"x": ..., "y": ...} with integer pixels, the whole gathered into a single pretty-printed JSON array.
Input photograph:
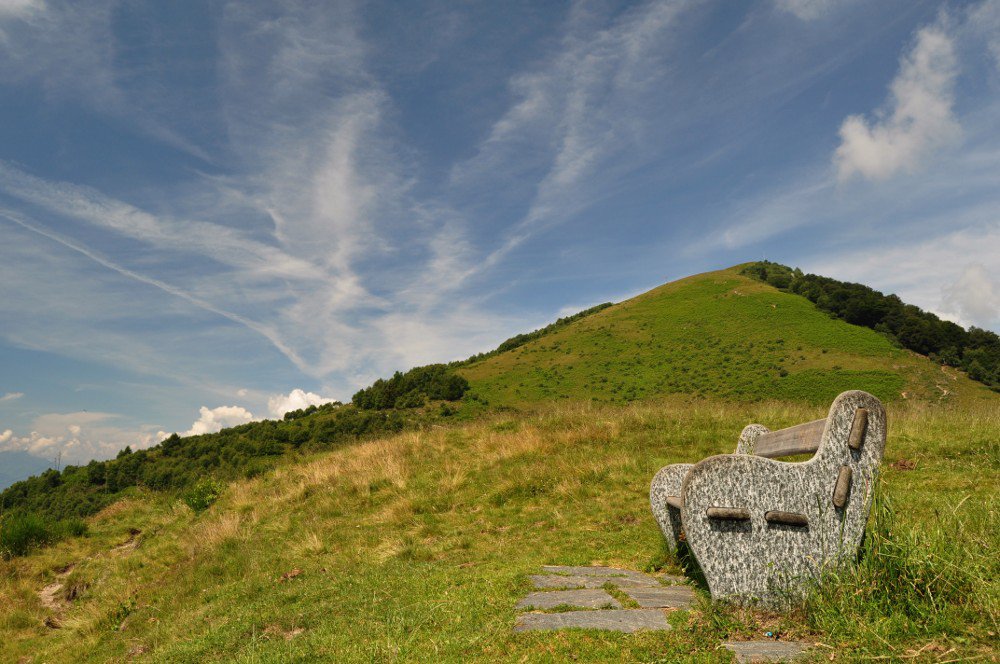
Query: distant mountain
[{"x": 15, "y": 466}]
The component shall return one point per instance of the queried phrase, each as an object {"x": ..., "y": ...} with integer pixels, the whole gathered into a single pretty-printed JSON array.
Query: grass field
[{"x": 417, "y": 547}]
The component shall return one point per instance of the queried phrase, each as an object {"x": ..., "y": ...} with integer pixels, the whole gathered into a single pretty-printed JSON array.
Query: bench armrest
[{"x": 666, "y": 485}]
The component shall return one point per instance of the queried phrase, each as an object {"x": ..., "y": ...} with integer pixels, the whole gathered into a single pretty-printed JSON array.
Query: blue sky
[{"x": 214, "y": 214}]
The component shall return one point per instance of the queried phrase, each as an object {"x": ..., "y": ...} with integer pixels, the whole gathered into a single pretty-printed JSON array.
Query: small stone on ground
[
  {"x": 670, "y": 597},
  {"x": 585, "y": 599},
  {"x": 766, "y": 651},
  {"x": 623, "y": 620}
]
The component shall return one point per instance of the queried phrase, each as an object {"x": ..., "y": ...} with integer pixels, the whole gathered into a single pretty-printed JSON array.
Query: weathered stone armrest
[{"x": 665, "y": 488}]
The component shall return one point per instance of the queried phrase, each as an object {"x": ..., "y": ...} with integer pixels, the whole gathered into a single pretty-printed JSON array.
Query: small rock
[
  {"x": 585, "y": 599},
  {"x": 622, "y": 620}
]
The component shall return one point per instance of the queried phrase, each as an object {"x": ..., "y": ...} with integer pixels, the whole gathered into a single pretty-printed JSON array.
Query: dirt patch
[
  {"x": 288, "y": 576},
  {"x": 129, "y": 545},
  {"x": 49, "y": 596},
  {"x": 903, "y": 464},
  {"x": 272, "y": 631}
]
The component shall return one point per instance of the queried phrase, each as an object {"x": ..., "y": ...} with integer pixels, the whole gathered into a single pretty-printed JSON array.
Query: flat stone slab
[
  {"x": 592, "y": 571},
  {"x": 584, "y": 599},
  {"x": 766, "y": 651},
  {"x": 609, "y": 572},
  {"x": 665, "y": 597},
  {"x": 543, "y": 581},
  {"x": 622, "y": 620}
]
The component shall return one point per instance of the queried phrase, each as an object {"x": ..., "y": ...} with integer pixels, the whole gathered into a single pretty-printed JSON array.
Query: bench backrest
[{"x": 799, "y": 439}]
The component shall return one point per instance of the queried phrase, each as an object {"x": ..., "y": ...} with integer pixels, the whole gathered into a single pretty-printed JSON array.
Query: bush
[
  {"x": 203, "y": 494},
  {"x": 412, "y": 389},
  {"x": 70, "y": 528},
  {"x": 19, "y": 533}
]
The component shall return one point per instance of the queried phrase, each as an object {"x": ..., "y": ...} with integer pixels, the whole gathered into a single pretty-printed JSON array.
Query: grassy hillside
[
  {"x": 716, "y": 334},
  {"x": 416, "y": 547}
]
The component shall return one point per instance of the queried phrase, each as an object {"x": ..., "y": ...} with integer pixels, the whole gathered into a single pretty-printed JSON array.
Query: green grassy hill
[
  {"x": 717, "y": 334},
  {"x": 414, "y": 541}
]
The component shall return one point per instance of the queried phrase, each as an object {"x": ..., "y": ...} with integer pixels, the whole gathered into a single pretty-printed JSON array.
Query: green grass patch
[{"x": 418, "y": 547}]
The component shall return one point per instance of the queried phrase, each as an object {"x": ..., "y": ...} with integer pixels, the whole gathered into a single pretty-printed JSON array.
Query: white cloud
[
  {"x": 975, "y": 296},
  {"x": 20, "y": 8},
  {"x": 984, "y": 19},
  {"x": 916, "y": 272},
  {"x": 297, "y": 399},
  {"x": 808, "y": 10},
  {"x": 918, "y": 119},
  {"x": 11, "y": 396},
  {"x": 78, "y": 437},
  {"x": 216, "y": 419}
]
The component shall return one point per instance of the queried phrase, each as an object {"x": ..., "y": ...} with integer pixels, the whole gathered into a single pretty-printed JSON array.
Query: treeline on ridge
[
  {"x": 976, "y": 351},
  {"x": 47, "y": 506}
]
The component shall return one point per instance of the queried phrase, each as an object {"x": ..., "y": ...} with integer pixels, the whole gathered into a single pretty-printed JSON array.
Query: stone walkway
[
  {"x": 570, "y": 588},
  {"x": 579, "y": 597}
]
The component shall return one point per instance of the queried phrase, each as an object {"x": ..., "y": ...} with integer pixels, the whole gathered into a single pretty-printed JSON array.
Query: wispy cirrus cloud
[
  {"x": 574, "y": 116},
  {"x": 808, "y": 10},
  {"x": 67, "y": 48},
  {"x": 11, "y": 396}
]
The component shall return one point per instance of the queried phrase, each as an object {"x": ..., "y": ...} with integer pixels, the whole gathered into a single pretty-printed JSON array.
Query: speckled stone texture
[
  {"x": 581, "y": 599},
  {"x": 755, "y": 561},
  {"x": 667, "y": 597},
  {"x": 748, "y": 652},
  {"x": 667, "y": 482},
  {"x": 624, "y": 620}
]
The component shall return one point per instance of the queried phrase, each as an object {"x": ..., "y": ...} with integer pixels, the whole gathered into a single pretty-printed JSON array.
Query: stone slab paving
[
  {"x": 669, "y": 597},
  {"x": 543, "y": 581},
  {"x": 584, "y": 599},
  {"x": 766, "y": 651},
  {"x": 621, "y": 620},
  {"x": 593, "y": 571}
]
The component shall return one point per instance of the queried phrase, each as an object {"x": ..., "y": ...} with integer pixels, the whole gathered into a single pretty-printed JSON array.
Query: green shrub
[
  {"x": 70, "y": 528},
  {"x": 19, "y": 533},
  {"x": 203, "y": 494}
]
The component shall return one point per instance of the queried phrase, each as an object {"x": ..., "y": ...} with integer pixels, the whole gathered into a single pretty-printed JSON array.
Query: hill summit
[{"x": 718, "y": 334}]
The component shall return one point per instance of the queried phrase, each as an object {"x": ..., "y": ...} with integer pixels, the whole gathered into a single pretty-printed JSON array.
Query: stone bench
[{"x": 760, "y": 528}]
